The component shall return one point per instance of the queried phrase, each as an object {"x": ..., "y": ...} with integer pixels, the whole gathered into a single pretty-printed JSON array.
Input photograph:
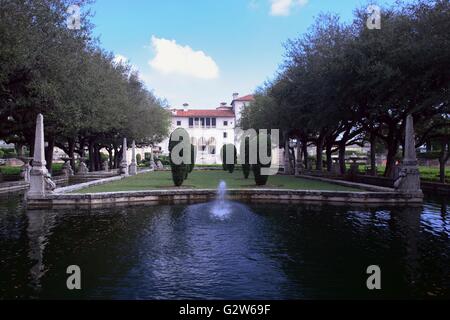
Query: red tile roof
[
  {"x": 204, "y": 113},
  {"x": 249, "y": 97}
]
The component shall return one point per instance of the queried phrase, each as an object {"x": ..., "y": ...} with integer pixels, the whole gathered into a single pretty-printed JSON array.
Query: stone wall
[
  {"x": 193, "y": 195},
  {"x": 427, "y": 187}
]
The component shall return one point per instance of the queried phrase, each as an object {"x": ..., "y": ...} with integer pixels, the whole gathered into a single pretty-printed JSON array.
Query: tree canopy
[
  {"x": 88, "y": 99},
  {"x": 342, "y": 83}
]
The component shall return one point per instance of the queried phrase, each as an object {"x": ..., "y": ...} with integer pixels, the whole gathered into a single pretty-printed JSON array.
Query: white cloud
[
  {"x": 172, "y": 58},
  {"x": 120, "y": 59},
  {"x": 283, "y": 7}
]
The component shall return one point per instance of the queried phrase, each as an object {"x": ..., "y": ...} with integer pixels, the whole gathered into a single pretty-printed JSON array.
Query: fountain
[{"x": 221, "y": 208}]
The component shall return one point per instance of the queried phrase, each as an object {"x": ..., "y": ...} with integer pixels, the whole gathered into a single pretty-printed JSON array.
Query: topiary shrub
[
  {"x": 225, "y": 149},
  {"x": 186, "y": 171},
  {"x": 179, "y": 171},
  {"x": 246, "y": 167},
  {"x": 178, "y": 174},
  {"x": 261, "y": 180},
  {"x": 223, "y": 154}
]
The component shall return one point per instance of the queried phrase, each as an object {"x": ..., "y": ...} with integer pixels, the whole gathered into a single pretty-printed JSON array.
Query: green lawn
[{"x": 210, "y": 180}]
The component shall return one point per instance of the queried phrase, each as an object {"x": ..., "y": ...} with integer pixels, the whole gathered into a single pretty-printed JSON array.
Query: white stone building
[{"x": 209, "y": 129}]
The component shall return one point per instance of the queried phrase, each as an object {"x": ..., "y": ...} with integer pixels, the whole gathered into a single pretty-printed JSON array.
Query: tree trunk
[
  {"x": 287, "y": 162},
  {"x": 19, "y": 149},
  {"x": 298, "y": 162},
  {"x": 49, "y": 152},
  {"x": 319, "y": 150},
  {"x": 96, "y": 158},
  {"x": 342, "y": 167},
  {"x": 443, "y": 161},
  {"x": 305, "y": 153},
  {"x": 292, "y": 159},
  {"x": 99, "y": 157},
  {"x": 373, "y": 163},
  {"x": 91, "y": 156},
  {"x": 329, "y": 156},
  {"x": 116, "y": 157},
  {"x": 31, "y": 147},
  {"x": 71, "y": 152},
  {"x": 111, "y": 158},
  {"x": 392, "y": 147}
]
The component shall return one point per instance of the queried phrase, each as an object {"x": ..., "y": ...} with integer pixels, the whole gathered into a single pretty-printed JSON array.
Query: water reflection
[
  {"x": 39, "y": 228},
  {"x": 260, "y": 251}
]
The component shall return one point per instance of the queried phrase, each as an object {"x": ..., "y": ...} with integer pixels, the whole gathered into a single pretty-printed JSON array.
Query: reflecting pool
[{"x": 248, "y": 251}]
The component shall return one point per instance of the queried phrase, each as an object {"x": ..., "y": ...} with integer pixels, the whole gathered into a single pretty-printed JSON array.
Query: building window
[
  {"x": 202, "y": 121},
  {"x": 212, "y": 146},
  {"x": 196, "y": 122},
  {"x": 225, "y": 123},
  {"x": 225, "y": 135},
  {"x": 179, "y": 123},
  {"x": 208, "y": 122},
  {"x": 213, "y": 122},
  {"x": 202, "y": 144},
  {"x": 191, "y": 122}
]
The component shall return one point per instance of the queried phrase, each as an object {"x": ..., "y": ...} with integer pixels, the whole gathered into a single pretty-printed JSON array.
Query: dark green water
[{"x": 257, "y": 251}]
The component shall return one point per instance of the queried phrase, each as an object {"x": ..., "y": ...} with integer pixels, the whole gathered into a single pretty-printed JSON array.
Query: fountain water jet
[{"x": 221, "y": 208}]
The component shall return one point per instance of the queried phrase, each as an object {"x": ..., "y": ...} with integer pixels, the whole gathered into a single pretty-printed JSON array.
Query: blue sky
[{"x": 201, "y": 51}]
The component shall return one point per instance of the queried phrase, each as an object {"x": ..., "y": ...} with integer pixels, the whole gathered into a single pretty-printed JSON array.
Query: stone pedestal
[
  {"x": 152, "y": 161},
  {"x": 408, "y": 180},
  {"x": 106, "y": 166},
  {"x": 335, "y": 169},
  {"x": 67, "y": 169},
  {"x": 133, "y": 165},
  {"x": 124, "y": 162},
  {"x": 82, "y": 169},
  {"x": 40, "y": 182}
]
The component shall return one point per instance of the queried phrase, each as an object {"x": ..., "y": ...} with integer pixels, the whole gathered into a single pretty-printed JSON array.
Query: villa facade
[{"x": 209, "y": 129}]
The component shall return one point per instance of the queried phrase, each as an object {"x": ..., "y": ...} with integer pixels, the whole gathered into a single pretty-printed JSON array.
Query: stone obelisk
[
  {"x": 39, "y": 173},
  {"x": 409, "y": 177},
  {"x": 124, "y": 162},
  {"x": 133, "y": 165}
]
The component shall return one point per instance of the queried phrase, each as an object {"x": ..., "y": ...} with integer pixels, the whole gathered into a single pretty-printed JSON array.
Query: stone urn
[
  {"x": 82, "y": 169},
  {"x": 26, "y": 168},
  {"x": 67, "y": 168}
]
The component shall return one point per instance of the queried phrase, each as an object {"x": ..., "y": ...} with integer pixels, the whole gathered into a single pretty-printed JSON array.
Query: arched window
[
  {"x": 202, "y": 144},
  {"x": 212, "y": 145}
]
